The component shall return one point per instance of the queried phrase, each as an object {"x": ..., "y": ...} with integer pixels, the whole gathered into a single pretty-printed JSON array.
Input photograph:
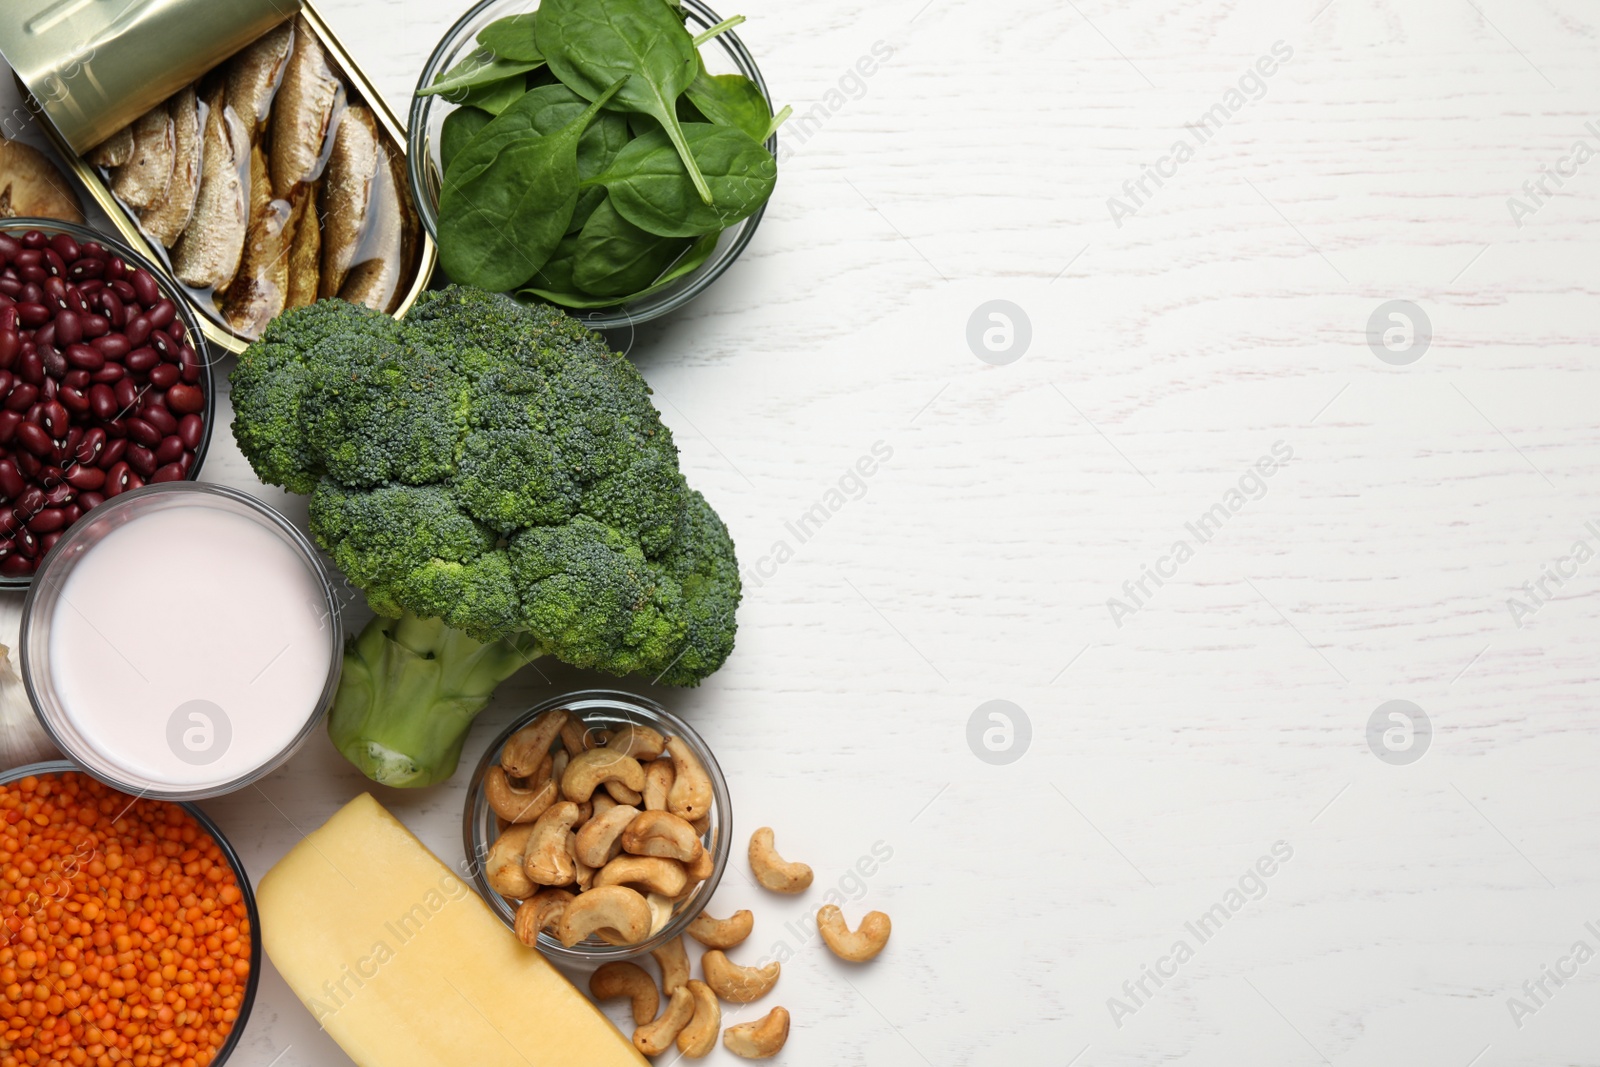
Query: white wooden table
[{"x": 1176, "y": 340}]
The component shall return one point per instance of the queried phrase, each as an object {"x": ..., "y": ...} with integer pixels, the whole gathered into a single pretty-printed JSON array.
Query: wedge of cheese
[{"x": 404, "y": 965}]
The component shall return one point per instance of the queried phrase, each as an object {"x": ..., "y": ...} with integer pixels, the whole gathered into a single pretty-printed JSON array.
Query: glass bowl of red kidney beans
[{"x": 105, "y": 383}]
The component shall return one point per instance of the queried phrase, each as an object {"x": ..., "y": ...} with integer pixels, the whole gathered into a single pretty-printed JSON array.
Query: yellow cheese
[{"x": 405, "y": 966}]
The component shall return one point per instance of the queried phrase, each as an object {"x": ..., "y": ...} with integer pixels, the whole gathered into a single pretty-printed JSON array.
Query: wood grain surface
[{"x": 1221, "y": 323}]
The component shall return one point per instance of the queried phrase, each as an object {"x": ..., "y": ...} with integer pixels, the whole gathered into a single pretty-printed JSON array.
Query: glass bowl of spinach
[{"x": 603, "y": 163}]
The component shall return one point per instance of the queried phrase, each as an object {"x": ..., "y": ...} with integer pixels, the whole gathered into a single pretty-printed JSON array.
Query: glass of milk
[{"x": 181, "y": 641}]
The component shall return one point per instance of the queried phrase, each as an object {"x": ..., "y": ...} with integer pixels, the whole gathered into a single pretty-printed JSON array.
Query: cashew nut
[
  {"x": 661, "y": 833},
  {"x": 558, "y": 764},
  {"x": 585, "y": 773},
  {"x": 602, "y": 803},
  {"x": 613, "y": 908},
  {"x": 503, "y": 866},
  {"x": 735, "y": 984},
  {"x": 857, "y": 946},
  {"x": 660, "y": 912},
  {"x": 722, "y": 933},
  {"x": 577, "y": 738},
  {"x": 690, "y": 795},
  {"x": 655, "y": 1038},
  {"x": 700, "y": 1036},
  {"x": 758, "y": 1040},
  {"x": 613, "y": 980},
  {"x": 772, "y": 870},
  {"x": 600, "y": 839},
  {"x": 525, "y": 749},
  {"x": 701, "y": 868},
  {"x": 547, "y": 861},
  {"x": 622, "y": 794},
  {"x": 658, "y": 778},
  {"x": 540, "y": 913},
  {"x": 517, "y": 804},
  {"x": 582, "y": 873},
  {"x": 674, "y": 963},
  {"x": 658, "y": 875},
  {"x": 640, "y": 742}
]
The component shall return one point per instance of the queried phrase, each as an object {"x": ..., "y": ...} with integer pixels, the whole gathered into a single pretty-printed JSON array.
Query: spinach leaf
[
  {"x": 492, "y": 98},
  {"x": 590, "y": 45},
  {"x": 713, "y": 32},
  {"x": 557, "y": 271},
  {"x": 692, "y": 260},
  {"x": 460, "y": 127},
  {"x": 512, "y": 38},
  {"x": 555, "y": 106},
  {"x": 650, "y": 188},
  {"x": 481, "y": 67},
  {"x": 506, "y": 204},
  {"x": 615, "y": 257},
  {"x": 732, "y": 100}
]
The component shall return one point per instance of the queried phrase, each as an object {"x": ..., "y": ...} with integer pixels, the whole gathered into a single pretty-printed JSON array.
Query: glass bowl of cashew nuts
[{"x": 597, "y": 826}]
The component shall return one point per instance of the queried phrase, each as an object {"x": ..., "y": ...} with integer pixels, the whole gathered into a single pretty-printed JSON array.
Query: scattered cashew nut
[
  {"x": 722, "y": 933},
  {"x": 674, "y": 963},
  {"x": 613, "y": 908},
  {"x": 585, "y": 773},
  {"x": 736, "y": 984},
  {"x": 772, "y": 870},
  {"x": 600, "y": 839},
  {"x": 653, "y": 1039},
  {"x": 547, "y": 861},
  {"x": 690, "y": 796},
  {"x": 517, "y": 804},
  {"x": 761, "y": 1039},
  {"x": 527, "y": 748},
  {"x": 540, "y": 913},
  {"x": 621, "y": 794},
  {"x": 660, "y": 912},
  {"x": 613, "y": 980},
  {"x": 640, "y": 742},
  {"x": 576, "y": 738},
  {"x": 661, "y": 833},
  {"x": 658, "y": 875},
  {"x": 857, "y": 946},
  {"x": 700, "y": 1036}
]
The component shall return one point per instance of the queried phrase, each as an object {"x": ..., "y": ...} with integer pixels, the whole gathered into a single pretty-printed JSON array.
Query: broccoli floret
[{"x": 498, "y": 483}]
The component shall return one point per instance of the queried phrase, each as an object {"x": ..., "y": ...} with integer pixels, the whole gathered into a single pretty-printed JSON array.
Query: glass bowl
[
  {"x": 197, "y": 731},
  {"x": 186, "y": 314},
  {"x": 602, "y": 709},
  {"x": 246, "y": 893},
  {"x": 729, "y": 56}
]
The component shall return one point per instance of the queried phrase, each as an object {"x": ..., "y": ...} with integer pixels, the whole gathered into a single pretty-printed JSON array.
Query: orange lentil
[{"x": 124, "y": 937}]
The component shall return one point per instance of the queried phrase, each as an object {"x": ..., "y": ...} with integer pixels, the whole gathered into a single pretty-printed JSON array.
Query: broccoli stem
[{"x": 408, "y": 694}]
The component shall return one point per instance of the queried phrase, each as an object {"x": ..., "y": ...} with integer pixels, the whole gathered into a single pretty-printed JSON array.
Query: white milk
[{"x": 190, "y": 646}]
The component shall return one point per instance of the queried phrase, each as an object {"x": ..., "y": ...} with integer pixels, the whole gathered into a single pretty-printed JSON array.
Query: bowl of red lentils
[{"x": 128, "y": 928}]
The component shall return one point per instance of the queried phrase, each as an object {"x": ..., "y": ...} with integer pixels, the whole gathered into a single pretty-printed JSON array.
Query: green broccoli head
[{"x": 497, "y": 467}]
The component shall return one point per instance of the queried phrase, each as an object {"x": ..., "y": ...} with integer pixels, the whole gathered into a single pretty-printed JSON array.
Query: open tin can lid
[{"x": 96, "y": 65}]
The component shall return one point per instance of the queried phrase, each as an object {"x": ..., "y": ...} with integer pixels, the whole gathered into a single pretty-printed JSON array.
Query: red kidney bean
[
  {"x": 95, "y": 326},
  {"x": 9, "y": 247},
  {"x": 54, "y": 363},
  {"x": 125, "y": 393},
  {"x": 118, "y": 480},
  {"x": 31, "y": 435},
  {"x": 11, "y": 481},
  {"x": 170, "y": 350},
  {"x": 186, "y": 399},
  {"x": 68, "y": 330},
  {"x": 164, "y": 376},
  {"x": 54, "y": 418},
  {"x": 60, "y": 493},
  {"x": 102, "y": 402},
  {"x": 30, "y": 257},
  {"x": 115, "y": 430},
  {"x": 81, "y": 477},
  {"x": 55, "y": 290},
  {"x": 170, "y": 449},
  {"x": 48, "y": 541},
  {"x": 75, "y": 379},
  {"x": 28, "y": 463},
  {"x": 111, "y": 372},
  {"x": 90, "y": 446},
  {"x": 73, "y": 400},
  {"x": 66, "y": 247},
  {"x": 185, "y": 463},
  {"x": 85, "y": 357},
  {"x": 9, "y": 421},
  {"x": 34, "y": 239},
  {"x": 142, "y": 460},
  {"x": 191, "y": 429},
  {"x": 91, "y": 500},
  {"x": 141, "y": 360},
  {"x": 28, "y": 544},
  {"x": 114, "y": 309},
  {"x": 112, "y": 345},
  {"x": 86, "y": 270},
  {"x": 31, "y": 501},
  {"x": 144, "y": 284},
  {"x": 32, "y": 315},
  {"x": 138, "y": 330},
  {"x": 48, "y": 521},
  {"x": 124, "y": 291},
  {"x": 88, "y": 289},
  {"x": 178, "y": 332},
  {"x": 15, "y": 565},
  {"x": 142, "y": 432},
  {"x": 23, "y": 396},
  {"x": 7, "y": 380},
  {"x": 30, "y": 368},
  {"x": 171, "y": 472},
  {"x": 33, "y": 275},
  {"x": 54, "y": 263},
  {"x": 162, "y": 313},
  {"x": 112, "y": 455},
  {"x": 45, "y": 336},
  {"x": 160, "y": 418},
  {"x": 11, "y": 288}
]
